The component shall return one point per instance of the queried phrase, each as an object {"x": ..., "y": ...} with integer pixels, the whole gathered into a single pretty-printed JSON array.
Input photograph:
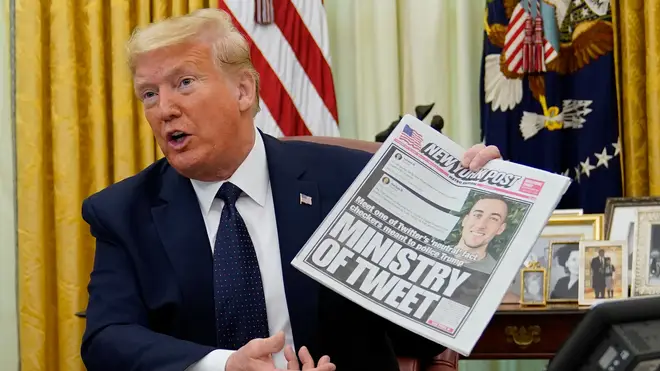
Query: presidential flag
[
  {"x": 548, "y": 93},
  {"x": 290, "y": 49}
]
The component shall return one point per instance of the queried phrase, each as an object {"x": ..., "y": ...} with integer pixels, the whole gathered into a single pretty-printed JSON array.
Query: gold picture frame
[
  {"x": 578, "y": 222},
  {"x": 551, "y": 282},
  {"x": 530, "y": 298},
  {"x": 568, "y": 212}
]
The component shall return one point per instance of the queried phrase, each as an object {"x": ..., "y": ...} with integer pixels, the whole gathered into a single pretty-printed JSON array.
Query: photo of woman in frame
[{"x": 564, "y": 271}]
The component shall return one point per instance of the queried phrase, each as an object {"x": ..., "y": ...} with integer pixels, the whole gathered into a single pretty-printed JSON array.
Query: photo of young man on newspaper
[
  {"x": 482, "y": 235},
  {"x": 485, "y": 220}
]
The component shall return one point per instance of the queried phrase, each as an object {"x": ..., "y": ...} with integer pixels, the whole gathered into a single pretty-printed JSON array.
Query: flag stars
[
  {"x": 587, "y": 167},
  {"x": 617, "y": 146},
  {"x": 603, "y": 158}
]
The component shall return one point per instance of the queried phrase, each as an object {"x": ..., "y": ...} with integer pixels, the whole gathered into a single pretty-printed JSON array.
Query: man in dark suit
[
  {"x": 192, "y": 268},
  {"x": 598, "y": 274}
]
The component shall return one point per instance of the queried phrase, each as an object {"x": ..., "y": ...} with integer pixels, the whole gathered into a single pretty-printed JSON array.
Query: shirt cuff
[{"x": 214, "y": 361}]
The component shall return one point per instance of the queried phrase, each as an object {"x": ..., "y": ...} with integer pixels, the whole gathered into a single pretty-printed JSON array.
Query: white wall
[{"x": 9, "y": 358}]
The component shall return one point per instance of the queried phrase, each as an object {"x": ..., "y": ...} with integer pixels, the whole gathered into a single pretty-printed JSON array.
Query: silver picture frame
[{"x": 647, "y": 231}]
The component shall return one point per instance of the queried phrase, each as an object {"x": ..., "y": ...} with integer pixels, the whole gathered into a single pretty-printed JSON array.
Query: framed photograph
[
  {"x": 532, "y": 286},
  {"x": 558, "y": 228},
  {"x": 620, "y": 218},
  {"x": 617, "y": 208},
  {"x": 602, "y": 271},
  {"x": 563, "y": 274},
  {"x": 646, "y": 254}
]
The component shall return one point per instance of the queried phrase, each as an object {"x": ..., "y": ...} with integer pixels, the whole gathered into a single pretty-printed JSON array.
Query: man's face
[
  {"x": 484, "y": 221},
  {"x": 193, "y": 108}
]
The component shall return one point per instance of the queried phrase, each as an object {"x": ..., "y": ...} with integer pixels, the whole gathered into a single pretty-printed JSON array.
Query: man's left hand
[{"x": 478, "y": 155}]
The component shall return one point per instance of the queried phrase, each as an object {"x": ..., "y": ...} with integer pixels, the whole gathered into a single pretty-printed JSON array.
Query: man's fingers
[
  {"x": 326, "y": 367},
  {"x": 324, "y": 360},
  {"x": 292, "y": 360},
  {"x": 274, "y": 343},
  {"x": 306, "y": 359},
  {"x": 485, "y": 155},
  {"x": 471, "y": 153},
  {"x": 265, "y": 347}
]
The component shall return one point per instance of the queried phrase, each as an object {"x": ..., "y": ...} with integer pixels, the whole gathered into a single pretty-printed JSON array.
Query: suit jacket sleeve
[{"x": 117, "y": 336}]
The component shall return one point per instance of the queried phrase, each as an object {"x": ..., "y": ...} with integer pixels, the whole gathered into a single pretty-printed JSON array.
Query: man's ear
[
  {"x": 501, "y": 229},
  {"x": 246, "y": 90}
]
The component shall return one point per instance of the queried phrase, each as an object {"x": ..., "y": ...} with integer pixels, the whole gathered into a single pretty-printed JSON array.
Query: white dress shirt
[{"x": 256, "y": 208}]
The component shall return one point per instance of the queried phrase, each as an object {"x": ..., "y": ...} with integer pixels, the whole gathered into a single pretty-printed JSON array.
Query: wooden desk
[{"x": 517, "y": 332}]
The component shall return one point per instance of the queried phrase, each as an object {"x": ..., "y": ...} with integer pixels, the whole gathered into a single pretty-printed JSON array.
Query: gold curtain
[
  {"x": 79, "y": 128},
  {"x": 637, "y": 51}
]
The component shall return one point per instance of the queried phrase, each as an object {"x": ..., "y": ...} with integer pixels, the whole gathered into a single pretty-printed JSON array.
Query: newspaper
[{"x": 426, "y": 243}]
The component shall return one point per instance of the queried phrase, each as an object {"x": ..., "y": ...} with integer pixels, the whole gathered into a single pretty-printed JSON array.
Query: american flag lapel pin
[{"x": 305, "y": 200}]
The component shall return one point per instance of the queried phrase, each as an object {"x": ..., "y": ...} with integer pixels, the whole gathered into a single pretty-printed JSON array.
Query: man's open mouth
[{"x": 177, "y": 136}]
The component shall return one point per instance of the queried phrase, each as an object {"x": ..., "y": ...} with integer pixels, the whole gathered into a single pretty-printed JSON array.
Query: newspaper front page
[{"x": 426, "y": 243}]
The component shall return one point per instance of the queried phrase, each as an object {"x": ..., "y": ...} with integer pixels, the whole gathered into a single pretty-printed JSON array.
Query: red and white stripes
[
  {"x": 525, "y": 48},
  {"x": 291, "y": 51}
]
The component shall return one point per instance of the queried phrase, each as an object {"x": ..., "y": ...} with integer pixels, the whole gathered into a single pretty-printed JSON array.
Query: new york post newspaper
[{"x": 426, "y": 243}]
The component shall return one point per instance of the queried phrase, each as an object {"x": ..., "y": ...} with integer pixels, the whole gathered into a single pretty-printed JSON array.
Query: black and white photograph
[
  {"x": 654, "y": 257},
  {"x": 532, "y": 286},
  {"x": 563, "y": 271}
]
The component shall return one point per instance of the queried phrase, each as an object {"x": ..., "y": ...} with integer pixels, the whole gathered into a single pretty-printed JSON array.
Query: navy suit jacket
[{"x": 151, "y": 296}]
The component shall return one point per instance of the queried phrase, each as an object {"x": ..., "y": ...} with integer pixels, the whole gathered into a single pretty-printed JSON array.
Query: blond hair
[{"x": 230, "y": 49}]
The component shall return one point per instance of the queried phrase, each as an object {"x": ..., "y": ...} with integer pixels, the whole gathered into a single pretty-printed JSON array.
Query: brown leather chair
[{"x": 448, "y": 360}]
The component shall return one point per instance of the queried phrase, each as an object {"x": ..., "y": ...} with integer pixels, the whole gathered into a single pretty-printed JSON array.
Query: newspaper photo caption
[{"x": 426, "y": 243}]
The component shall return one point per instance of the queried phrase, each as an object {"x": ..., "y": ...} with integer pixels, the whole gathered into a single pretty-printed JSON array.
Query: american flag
[
  {"x": 290, "y": 49},
  {"x": 304, "y": 199},
  {"x": 411, "y": 137}
]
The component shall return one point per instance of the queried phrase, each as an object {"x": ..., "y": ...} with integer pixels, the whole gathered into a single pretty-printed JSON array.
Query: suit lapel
[
  {"x": 296, "y": 222},
  {"x": 181, "y": 228}
]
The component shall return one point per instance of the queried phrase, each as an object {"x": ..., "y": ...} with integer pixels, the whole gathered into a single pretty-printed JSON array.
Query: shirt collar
[{"x": 251, "y": 176}]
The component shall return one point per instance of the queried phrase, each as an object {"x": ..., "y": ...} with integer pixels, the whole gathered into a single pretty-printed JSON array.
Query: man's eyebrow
[
  {"x": 175, "y": 71},
  {"x": 481, "y": 211}
]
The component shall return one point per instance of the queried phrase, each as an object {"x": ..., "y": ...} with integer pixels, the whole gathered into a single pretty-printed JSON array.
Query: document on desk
[{"x": 426, "y": 243}]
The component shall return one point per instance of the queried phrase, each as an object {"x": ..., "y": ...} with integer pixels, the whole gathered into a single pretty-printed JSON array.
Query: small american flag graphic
[
  {"x": 411, "y": 137},
  {"x": 305, "y": 200}
]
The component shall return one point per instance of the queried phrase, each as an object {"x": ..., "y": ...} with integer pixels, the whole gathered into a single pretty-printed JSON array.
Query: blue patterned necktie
[{"x": 240, "y": 305}]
